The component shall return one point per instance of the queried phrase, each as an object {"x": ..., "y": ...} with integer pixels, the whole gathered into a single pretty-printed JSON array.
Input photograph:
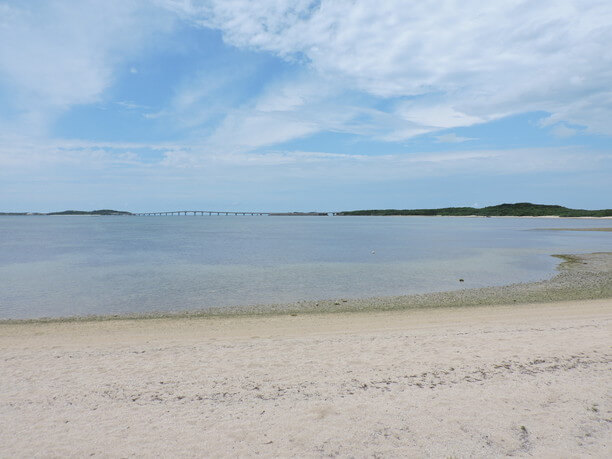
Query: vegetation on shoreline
[
  {"x": 93, "y": 212},
  {"x": 521, "y": 209}
]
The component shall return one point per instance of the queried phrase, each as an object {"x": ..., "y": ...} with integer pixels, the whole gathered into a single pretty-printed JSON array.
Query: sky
[{"x": 303, "y": 105}]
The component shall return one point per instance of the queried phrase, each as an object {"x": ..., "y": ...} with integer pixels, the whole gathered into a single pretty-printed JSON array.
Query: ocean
[{"x": 61, "y": 266}]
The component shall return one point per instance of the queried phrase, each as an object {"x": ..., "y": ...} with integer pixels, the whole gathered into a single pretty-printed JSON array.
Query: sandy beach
[{"x": 517, "y": 379}]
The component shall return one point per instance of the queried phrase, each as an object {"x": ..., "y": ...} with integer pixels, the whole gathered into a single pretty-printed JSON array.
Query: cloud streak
[{"x": 16, "y": 153}]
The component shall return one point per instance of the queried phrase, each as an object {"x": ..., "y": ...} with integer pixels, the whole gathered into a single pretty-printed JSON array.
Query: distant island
[
  {"x": 521, "y": 209},
  {"x": 92, "y": 212},
  {"x": 73, "y": 212}
]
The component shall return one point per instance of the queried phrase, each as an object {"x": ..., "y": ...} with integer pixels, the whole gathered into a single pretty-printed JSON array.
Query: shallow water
[{"x": 65, "y": 266}]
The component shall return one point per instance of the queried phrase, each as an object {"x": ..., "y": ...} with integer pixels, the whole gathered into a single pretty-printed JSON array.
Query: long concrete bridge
[
  {"x": 198, "y": 212},
  {"x": 224, "y": 212}
]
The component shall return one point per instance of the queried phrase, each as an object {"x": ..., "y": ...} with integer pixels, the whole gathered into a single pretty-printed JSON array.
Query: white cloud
[
  {"x": 57, "y": 54},
  {"x": 211, "y": 92},
  {"x": 478, "y": 61},
  {"x": 242, "y": 133},
  {"x": 286, "y": 109},
  {"x": 432, "y": 65}
]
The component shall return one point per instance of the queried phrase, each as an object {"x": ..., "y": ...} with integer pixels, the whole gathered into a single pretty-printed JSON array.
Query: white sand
[{"x": 528, "y": 380}]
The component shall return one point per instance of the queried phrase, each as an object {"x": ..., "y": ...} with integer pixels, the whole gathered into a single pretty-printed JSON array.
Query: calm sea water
[{"x": 66, "y": 266}]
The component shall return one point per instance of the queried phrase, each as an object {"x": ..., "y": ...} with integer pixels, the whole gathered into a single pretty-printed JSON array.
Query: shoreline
[
  {"x": 579, "y": 277},
  {"x": 290, "y": 215},
  {"x": 418, "y": 377}
]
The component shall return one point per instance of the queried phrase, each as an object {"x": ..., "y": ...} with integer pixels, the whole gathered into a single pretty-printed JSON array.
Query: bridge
[
  {"x": 198, "y": 212},
  {"x": 224, "y": 212}
]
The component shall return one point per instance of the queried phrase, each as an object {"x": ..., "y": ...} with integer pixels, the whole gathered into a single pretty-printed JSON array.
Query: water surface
[{"x": 65, "y": 266}]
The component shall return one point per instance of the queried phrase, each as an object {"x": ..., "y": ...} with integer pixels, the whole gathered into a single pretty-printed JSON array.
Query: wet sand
[{"x": 487, "y": 380}]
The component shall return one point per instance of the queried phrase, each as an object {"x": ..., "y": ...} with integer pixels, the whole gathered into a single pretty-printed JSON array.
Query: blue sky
[{"x": 304, "y": 105}]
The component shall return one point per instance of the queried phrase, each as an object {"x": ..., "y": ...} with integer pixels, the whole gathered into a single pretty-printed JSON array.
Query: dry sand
[
  {"x": 508, "y": 380},
  {"x": 522, "y": 380}
]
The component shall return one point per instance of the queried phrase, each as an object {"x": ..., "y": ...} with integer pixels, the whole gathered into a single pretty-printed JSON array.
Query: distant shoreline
[
  {"x": 68, "y": 213},
  {"x": 520, "y": 209},
  {"x": 8, "y": 214},
  {"x": 489, "y": 216}
]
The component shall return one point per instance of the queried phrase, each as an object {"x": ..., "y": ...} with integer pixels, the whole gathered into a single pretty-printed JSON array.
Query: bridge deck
[
  {"x": 223, "y": 212},
  {"x": 198, "y": 212}
]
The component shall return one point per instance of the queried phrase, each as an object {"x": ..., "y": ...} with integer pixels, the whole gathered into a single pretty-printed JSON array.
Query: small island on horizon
[{"x": 72, "y": 212}]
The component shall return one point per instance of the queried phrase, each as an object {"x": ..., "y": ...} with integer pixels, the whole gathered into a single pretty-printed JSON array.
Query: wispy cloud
[
  {"x": 18, "y": 153},
  {"x": 478, "y": 62},
  {"x": 54, "y": 55}
]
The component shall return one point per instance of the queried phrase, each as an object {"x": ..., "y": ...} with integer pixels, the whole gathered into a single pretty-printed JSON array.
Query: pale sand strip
[{"x": 481, "y": 381}]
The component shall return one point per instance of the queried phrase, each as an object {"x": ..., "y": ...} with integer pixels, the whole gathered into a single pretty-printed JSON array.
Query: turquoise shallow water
[{"x": 66, "y": 266}]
